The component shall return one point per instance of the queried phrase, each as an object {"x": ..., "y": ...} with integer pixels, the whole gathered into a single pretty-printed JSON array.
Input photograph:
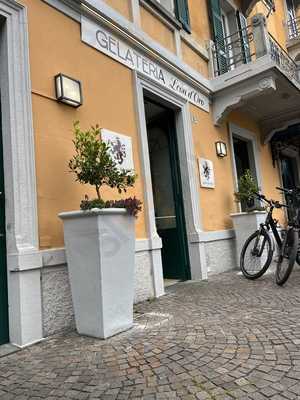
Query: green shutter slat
[
  {"x": 245, "y": 45},
  {"x": 182, "y": 14},
  {"x": 217, "y": 28}
]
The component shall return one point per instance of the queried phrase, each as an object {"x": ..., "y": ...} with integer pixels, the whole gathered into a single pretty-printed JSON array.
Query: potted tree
[
  {"x": 100, "y": 241},
  {"x": 246, "y": 222}
]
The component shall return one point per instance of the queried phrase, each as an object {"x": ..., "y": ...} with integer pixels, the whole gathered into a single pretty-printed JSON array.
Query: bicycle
[
  {"x": 257, "y": 252},
  {"x": 288, "y": 252}
]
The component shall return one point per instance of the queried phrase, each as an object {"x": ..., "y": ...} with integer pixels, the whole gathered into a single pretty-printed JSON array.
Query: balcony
[{"x": 254, "y": 74}]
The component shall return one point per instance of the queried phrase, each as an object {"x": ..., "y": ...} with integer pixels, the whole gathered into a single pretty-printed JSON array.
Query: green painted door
[
  {"x": 4, "y": 338},
  {"x": 167, "y": 194}
]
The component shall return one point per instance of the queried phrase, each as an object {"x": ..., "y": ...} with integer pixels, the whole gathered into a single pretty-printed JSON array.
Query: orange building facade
[{"x": 172, "y": 77}]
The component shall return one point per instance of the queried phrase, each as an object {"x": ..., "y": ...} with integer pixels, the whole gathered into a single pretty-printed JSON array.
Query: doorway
[
  {"x": 167, "y": 189},
  {"x": 244, "y": 160},
  {"x": 4, "y": 337},
  {"x": 289, "y": 175}
]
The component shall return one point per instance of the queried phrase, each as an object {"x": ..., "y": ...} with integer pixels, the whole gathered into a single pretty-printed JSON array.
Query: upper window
[
  {"x": 168, "y": 4},
  {"x": 176, "y": 9},
  {"x": 230, "y": 34}
]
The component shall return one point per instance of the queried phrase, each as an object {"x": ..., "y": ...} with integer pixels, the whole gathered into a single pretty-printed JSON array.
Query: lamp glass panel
[
  {"x": 58, "y": 86},
  {"x": 223, "y": 149},
  {"x": 71, "y": 89}
]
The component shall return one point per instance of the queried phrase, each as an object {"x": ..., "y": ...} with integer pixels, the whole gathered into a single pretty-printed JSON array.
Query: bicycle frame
[{"x": 266, "y": 226}]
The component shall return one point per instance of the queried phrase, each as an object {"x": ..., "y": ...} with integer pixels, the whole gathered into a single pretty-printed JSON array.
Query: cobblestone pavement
[{"x": 228, "y": 338}]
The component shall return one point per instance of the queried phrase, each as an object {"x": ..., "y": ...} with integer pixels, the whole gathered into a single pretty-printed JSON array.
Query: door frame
[
  {"x": 175, "y": 171},
  {"x": 249, "y": 137},
  {"x": 189, "y": 178},
  {"x": 23, "y": 257},
  {"x": 289, "y": 153}
]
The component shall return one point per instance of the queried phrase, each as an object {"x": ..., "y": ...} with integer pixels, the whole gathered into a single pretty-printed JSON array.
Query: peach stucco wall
[
  {"x": 55, "y": 47},
  {"x": 157, "y": 30},
  {"x": 193, "y": 59},
  {"x": 218, "y": 203},
  {"x": 122, "y": 6},
  {"x": 275, "y": 21}
]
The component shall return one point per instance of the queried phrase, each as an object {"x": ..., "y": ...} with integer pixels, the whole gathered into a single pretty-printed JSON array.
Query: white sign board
[
  {"x": 120, "y": 148},
  {"x": 101, "y": 39},
  {"x": 207, "y": 176}
]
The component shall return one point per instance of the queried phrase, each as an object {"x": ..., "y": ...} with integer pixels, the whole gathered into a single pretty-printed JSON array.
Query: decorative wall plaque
[
  {"x": 207, "y": 176},
  {"x": 120, "y": 148}
]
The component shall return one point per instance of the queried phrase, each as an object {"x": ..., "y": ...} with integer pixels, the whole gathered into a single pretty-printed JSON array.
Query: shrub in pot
[
  {"x": 247, "y": 222},
  {"x": 100, "y": 240}
]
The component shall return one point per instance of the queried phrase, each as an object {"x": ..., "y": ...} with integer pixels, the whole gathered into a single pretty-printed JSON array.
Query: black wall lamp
[
  {"x": 221, "y": 149},
  {"x": 68, "y": 90}
]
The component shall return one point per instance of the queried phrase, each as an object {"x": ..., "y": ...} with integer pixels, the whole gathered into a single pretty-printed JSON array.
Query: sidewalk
[{"x": 222, "y": 339}]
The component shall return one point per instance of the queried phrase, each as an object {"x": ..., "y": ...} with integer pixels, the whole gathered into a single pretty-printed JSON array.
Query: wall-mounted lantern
[
  {"x": 68, "y": 90},
  {"x": 221, "y": 149}
]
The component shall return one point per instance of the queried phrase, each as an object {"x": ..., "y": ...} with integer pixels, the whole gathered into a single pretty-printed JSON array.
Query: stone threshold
[{"x": 7, "y": 349}]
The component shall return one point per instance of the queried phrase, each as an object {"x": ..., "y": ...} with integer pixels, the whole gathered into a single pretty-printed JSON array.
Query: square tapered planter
[
  {"x": 244, "y": 224},
  {"x": 100, "y": 249}
]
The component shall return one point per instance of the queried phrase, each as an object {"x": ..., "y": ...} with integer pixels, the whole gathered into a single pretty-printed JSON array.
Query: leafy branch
[{"x": 92, "y": 163}]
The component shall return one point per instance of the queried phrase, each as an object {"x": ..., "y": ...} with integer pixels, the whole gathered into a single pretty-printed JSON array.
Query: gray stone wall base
[
  {"x": 143, "y": 277},
  {"x": 221, "y": 255},
  {"x": 57, "y": 307},
  {"x": 56, "y": 293}
]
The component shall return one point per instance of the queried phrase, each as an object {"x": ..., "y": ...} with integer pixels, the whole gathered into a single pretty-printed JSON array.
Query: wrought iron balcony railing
[
  {"x": 232, "y": 51},
  {"x": 244, "y": 46},
  {"x": 293, "y": 28},
  {"x": 282, "y": 59}
]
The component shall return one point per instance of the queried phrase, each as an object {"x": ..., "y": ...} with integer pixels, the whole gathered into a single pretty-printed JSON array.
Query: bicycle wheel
[
  {"x": 287, "y": 257},
  {"x": 298, "y": 254},
  {"x": 298, "y": 257},
  {"x": 256, "y": 255}
]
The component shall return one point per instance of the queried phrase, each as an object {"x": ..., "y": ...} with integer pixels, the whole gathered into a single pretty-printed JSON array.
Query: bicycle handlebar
[
  {"x": 295, "y": 191},
  {"x": 287, "y": 191},
  {"x": 271, "y": 202}
]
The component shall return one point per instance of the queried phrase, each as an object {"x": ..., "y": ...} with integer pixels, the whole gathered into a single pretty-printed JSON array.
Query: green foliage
[
  {"x": 92, "y": 163},
  {"x": 247, "y": 189}
]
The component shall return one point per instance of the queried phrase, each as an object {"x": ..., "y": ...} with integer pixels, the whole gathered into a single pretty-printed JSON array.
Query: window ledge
[{"x": 154, "y": 7}]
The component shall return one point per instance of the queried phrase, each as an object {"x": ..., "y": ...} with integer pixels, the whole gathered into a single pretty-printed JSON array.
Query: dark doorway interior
[
  {"x": 167, "y": 190},
  {"x": 244, "y": 160}
]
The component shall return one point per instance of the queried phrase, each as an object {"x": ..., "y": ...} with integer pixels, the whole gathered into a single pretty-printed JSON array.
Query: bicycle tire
[
  {"x": 287, "y": 257},
  {"x": 262, "y": 268},
  {"x": 298, "y": 257}
]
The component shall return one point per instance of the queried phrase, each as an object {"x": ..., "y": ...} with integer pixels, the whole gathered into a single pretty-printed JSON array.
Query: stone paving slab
[{"x": 228, "y": 338}]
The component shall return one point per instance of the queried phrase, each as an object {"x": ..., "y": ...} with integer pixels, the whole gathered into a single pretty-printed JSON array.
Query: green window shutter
[
  {"x": 218, "y": 35},
  {"x": 245, "y": 45},
  {"x": 182, "y": 14}
]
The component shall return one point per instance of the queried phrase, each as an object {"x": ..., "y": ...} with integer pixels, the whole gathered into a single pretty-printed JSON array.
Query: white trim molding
[
  {"x": 189, "y": 179},
  {"x": 57, "y": 256},
  {"x": 237, "y": 131},
  {"x": 24, "y": 294}
]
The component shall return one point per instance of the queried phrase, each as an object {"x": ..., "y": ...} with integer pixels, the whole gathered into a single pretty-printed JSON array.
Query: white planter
[
  {"x": 244, "y": 225},
  {"x": 100, "y": 249}
]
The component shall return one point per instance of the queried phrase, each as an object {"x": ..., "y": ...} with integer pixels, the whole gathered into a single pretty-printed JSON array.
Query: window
[
  {"x": 291, "y": 9},
  {"x": 168, "y": 4},
  {"x": 229, "y": 29},
  {"x": 244, "y": 159},
  {"x": 293, "y": 18},
  {"x": 174, "y": 8}
]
